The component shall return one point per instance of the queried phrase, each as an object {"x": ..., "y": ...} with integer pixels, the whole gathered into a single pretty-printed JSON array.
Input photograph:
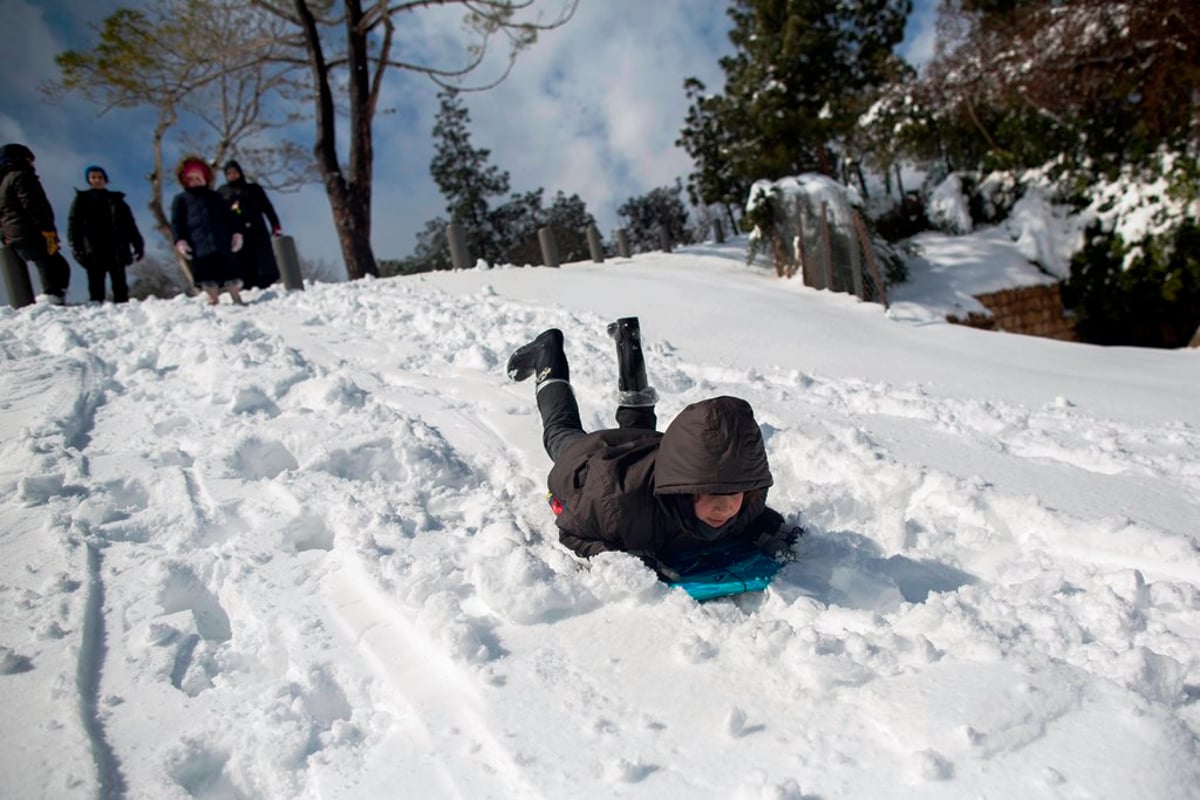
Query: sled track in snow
[{"x": 434, "y": 702}]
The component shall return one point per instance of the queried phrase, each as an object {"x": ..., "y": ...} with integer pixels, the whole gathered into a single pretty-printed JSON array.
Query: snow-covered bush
[
  {"x": 948, "y": 207},
  {"x": 787, "y": 219}
]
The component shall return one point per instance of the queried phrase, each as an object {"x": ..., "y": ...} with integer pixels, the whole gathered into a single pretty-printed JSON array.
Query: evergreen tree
[
  {"x": 715, "y": 181},
  {"x": 507, "y": 233},
  {"x": 650, "y": 213},
  {"x": 465, "y": 178},
  {"x": 519, "y": 220},
  {"x": 794, "y": 87}
]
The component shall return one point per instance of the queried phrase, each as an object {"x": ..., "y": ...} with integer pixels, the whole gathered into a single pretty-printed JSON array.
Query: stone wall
[{"x": 1031, "y": 310}]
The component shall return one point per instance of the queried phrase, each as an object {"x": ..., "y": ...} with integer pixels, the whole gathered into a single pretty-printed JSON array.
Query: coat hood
[
  {"x": 189, "y": 162},
  {"x": 712, "y": 447}
]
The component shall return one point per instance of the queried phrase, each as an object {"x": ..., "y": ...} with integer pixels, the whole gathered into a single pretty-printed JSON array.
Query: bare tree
[{"x": 356, "y": 43}]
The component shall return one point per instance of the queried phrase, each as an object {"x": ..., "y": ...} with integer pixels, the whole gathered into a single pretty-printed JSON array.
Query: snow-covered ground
[{"x": 300, "y": 549}]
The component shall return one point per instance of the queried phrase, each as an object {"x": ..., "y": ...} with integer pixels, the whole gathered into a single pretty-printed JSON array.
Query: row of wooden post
[
  {"x": 456, "y": 236},
  {"x": 19, "y": 287}
]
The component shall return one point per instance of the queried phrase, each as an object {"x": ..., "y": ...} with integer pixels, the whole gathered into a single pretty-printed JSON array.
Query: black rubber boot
[
  {"x": 543, "y": 358},
  {"x": 631, "y": 365}
]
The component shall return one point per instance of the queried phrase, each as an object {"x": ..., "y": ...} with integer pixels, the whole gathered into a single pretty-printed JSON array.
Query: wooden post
[
  {"x": 289, "y": 262},
  {"x": 869, "y": 253},
  {"x": 718, "y": 232},
  {"x": 826, "y": 247},
  {"x": 807, "y": 273},
  {"x": 856, "y": 261},
  {"x": 622, "y": 243},
  {"x": 664, "y": 239},
  {"x": 16, "y": 278},
  {"x": 549, "y": 246},
  {"x": 595, "y": 247},
  {"x": 456, "y": 236}
]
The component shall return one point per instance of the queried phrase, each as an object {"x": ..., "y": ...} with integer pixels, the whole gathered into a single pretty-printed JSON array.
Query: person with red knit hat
[{"x": 206, "y": 232}]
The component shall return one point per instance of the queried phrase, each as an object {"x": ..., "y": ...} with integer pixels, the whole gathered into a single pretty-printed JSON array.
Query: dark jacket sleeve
[
  {"x": 32, "y": 197},
  {"x": 583, "y": 547},
  {"x": 266, "y": 206},
  {"x": 179, "y": 223},
  {"x": 75, "y": 226},
  {"x": 766, "y": 522},
  {"x": 132, "y": 234}
]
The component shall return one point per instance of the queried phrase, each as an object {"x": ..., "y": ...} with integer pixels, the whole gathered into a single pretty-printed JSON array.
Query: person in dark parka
[
  {"x": 636, "y": 490},
  {"x": 103, "y": 235},
  {"x": 249, "y": 203},
  {"x": 27, "y": 221},
  {"x": 205, "y": 231}
]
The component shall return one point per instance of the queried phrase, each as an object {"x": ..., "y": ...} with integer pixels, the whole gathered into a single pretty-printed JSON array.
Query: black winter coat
[
  {"x": 631, "y": 490},
  {"x": 250, "y": 204},
  {"x": 25, "y": 213},
  {"x": 201, "y": 217},
  {"x": 101, "y": 229}
]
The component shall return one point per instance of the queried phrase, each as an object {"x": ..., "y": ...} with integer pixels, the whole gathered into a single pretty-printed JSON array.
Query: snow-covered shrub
[
  {"x": 1144, "y": 294},
  {"x": 948, "y": 207},
  {"x": 787, "y": 218}
]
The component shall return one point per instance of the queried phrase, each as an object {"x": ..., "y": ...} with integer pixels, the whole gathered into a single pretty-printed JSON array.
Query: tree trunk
[
  {"x": 166, "y": 119},
  {"x": 733, "y": 226},
  {"x": 349, "y": 200}
]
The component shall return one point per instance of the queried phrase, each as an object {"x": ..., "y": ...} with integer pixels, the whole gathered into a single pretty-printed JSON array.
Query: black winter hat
[
  {"x": 15, "y": 152},
  {"x": 90, "y": 168}
]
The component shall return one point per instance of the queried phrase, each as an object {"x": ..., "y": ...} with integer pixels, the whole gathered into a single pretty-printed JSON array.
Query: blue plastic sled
[{"x": 722, "y": 570}]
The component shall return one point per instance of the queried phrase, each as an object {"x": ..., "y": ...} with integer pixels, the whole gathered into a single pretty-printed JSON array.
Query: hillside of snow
[{"x": 301, "y": 549}]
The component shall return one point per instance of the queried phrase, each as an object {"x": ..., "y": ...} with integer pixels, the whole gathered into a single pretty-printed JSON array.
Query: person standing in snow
[
  {"x": 205, "y": 231},
  {"x": 249, "y": 203},
  {"x": 636, "y": 490},
  {"x": 103, "y": 235},
  {"x": 27, "y": 221}
]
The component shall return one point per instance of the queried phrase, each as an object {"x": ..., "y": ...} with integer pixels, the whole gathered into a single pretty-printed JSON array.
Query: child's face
[
  {"x": 96, "y": 180},
  {"x": 193, "y": 178},
  {"x": 714, "y": 510}
]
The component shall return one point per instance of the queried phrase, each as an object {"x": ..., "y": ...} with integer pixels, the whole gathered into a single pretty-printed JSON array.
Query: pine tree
[
  {"x": 649, "y": 214},
  {"x": 505, "y": 233},
  {"x": 465, "y": 178},
  {"x": 794, "y": 87}
]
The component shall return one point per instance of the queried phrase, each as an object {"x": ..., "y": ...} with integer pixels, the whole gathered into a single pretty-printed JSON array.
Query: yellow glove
[{"x": 51, "y": 242}]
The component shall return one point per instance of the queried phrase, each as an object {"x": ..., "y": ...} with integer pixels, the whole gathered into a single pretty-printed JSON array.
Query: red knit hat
[{"x": 197, "y": 165}]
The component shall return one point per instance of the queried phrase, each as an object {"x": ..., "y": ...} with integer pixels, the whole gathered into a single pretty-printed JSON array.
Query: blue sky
[{"x": 593, "y": 109}]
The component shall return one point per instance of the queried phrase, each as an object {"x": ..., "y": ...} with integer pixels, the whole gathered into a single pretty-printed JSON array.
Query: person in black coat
[
  {"x": 633, "y": 489},
  {"x": 103, "y": 235},
  {"x": 206, "y": 232},
  {"x": 27, "y": 221},
  {"x": 249, "y": 203}
]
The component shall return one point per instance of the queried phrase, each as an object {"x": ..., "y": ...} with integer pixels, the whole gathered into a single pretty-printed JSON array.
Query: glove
[
  {"x": 237, "y": 242},
  {"x": 138, "y": 256},
  {"x": 51, "y": 242},
  {"x": 277, "y": 232},
  {"x": 184, "y": 249},
  {"x": 777, "y": 542}
]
